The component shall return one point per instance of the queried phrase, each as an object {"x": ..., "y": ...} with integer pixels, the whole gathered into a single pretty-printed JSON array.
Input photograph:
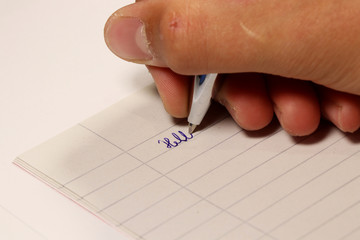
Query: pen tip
[{"x": 192, "y": 128}]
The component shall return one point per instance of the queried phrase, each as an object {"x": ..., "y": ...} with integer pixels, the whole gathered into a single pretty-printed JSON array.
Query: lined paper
[{"x": 221, "y": 183}]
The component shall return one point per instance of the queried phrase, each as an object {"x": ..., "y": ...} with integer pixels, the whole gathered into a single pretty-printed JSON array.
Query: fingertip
[
  {"x": 342, "y": 109},
  {"x": 173, "y": 90},
  {"x": 128, "y": 33},
  {"x": 245, "y": 97},
  {"x": 298, "y": 121},
  {"x": 295, "y": 104},
  {"x": 350, "y": 117}
]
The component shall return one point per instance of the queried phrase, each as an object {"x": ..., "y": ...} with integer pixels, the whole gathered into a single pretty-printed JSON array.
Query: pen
[{"x": 203, "y": 86}]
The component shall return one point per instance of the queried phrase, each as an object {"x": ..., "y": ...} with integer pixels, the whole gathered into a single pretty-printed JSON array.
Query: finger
[
  {"x": 310, "y": 40},
  {"x": 182, "y": 35},
  {"x": 342, "y": 109},
  {"x": 295, "y": 105},
  {"x": 173, "y": 90},
  {"x": 246, "y": 99}
]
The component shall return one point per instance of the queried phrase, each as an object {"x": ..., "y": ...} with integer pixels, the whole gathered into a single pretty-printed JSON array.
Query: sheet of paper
[
  {"x": 55, "y": 70},
  {"x": 138, "y": 169},
  {"x": 11, "y": 227}
]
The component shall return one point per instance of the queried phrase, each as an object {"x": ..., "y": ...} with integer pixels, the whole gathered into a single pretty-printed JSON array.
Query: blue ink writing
[{"x": 179, "y": 138}]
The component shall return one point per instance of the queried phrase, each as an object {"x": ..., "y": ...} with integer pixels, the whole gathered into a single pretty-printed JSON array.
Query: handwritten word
[{"x": 179, "y": 138}]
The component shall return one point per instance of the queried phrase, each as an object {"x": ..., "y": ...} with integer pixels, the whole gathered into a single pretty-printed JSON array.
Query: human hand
[{"x": 299, "y": 59}]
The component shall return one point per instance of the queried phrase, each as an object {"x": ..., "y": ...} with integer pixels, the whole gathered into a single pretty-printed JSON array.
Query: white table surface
[{"x": 55, "y": 71}]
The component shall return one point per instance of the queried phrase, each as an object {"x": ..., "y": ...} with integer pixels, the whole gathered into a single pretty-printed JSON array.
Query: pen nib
[{"x": 192, "y": 128}]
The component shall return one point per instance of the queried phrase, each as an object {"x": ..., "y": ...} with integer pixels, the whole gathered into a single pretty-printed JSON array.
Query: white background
[{"x": 55, "y": 71}]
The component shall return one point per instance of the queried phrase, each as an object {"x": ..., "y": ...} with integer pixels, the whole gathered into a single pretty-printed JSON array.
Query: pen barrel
[
  {"x": 196, "y": 116},
  {"x": 201, "y": 98}
]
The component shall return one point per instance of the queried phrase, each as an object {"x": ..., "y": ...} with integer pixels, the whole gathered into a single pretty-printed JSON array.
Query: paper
[
  {"x": 12, "y": 227},
  {"x": 138, "y": 169}
]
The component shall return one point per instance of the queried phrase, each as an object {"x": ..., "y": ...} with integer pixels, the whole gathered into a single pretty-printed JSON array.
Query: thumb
[
  {"x": 188, "y": 36},
  {"x": 306, "y": 40}
]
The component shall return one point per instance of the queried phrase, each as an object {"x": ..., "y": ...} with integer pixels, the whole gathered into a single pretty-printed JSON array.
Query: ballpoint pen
[{"x": 203, "y": 86}]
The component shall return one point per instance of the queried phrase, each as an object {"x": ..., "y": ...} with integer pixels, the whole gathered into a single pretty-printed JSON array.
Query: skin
[{"x": 299, "y": 60}]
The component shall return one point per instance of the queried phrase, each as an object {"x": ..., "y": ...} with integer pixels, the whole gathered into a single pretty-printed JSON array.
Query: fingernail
[
  {"x": 126, "y": 38},
  {"x": 332, "y": 112}
]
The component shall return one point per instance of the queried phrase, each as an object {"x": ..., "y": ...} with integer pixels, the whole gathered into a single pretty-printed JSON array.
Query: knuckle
[{"x": 181, "y": 33}]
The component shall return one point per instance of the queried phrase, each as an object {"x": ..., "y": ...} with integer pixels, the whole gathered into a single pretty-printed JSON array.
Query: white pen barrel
[{"x": 201, "y": 98}]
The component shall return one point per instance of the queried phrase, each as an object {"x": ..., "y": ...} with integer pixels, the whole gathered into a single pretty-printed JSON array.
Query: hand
[{"x": 297, "y": 59}]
